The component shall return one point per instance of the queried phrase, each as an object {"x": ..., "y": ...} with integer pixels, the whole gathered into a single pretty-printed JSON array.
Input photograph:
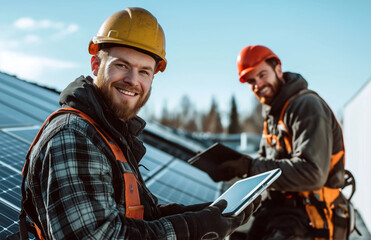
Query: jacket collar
[
  {"x": 293, "y": 84},
  {"x": 83, "y": 95}
]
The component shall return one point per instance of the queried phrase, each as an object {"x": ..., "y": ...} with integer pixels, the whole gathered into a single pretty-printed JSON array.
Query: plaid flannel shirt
[{"x": 71, "y": 183}]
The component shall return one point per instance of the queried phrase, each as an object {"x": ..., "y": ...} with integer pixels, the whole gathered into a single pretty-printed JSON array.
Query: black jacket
[{"x": 316, "y": 135}]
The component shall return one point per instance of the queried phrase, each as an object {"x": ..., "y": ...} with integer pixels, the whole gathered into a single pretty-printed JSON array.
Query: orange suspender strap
[
  {"x": 133, "y": 207},
  {"x": 287, "y": 138}
]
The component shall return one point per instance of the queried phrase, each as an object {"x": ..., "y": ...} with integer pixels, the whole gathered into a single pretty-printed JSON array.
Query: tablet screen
[{"x": 244, "y": 191}]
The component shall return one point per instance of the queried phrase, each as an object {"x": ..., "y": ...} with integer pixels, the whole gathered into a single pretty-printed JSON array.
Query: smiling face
[
  {"x": 123, "y": 77},
  {"x": 265, "y": 81}
]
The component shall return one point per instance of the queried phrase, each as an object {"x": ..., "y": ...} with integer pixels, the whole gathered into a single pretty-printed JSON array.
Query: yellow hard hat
[{"x": 133, "y": 27}]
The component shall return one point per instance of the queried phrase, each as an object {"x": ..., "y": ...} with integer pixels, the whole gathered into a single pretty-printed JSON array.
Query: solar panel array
[{"x": 25, "y": 106}]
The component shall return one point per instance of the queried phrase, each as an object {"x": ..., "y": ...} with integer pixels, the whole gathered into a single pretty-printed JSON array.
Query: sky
[{"x": 327, "y": 41}]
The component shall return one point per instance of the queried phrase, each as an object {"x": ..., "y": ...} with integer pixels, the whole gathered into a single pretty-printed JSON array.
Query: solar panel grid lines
[
  {"x": 25, "y": 134},
  {"x": 13, "y": 152},
  {"x": 21, "y": 105},
  {"x": 32, "y": 100},
  {"x": 153, "y": 161},
  {"x": 180, "y": 188},
  {"x": 157, "y": 154},
  {"x": 10, "y": 186},
  {"x": 149, "y": 167},
  {"x": 184, "y": 168},
  {"x": 188, "y": 185},
  {"x": 169, "y": 194},
  {"x": 19, "y": 86},
  {"x": 26, "y": 99},
  {"x": 10, "y": 117},
  {"x": 8, "y": 220}
]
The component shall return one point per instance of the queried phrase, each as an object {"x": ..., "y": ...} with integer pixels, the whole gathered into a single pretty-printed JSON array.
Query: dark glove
[
  {"x": 174, "y": 208},
  {"x": 209, "y": 223},
  {"x": 234, "y": 168}
]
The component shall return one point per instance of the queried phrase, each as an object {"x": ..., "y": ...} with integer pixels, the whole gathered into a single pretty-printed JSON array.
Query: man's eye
[
  {"x": 122, "y": 65},
  {"x": 144, "y": 72}
]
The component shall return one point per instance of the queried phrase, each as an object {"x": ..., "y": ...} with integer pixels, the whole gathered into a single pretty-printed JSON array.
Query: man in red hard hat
[
  {"x": 302, "y": 137},
  {"x": 248, "y": 65}
]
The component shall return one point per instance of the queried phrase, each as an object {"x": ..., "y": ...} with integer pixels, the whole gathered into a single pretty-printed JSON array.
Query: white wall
[{"x": 357, "y": 139}]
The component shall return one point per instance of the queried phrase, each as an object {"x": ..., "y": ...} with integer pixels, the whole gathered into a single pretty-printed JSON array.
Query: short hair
[{"x": 273, "y": 62}]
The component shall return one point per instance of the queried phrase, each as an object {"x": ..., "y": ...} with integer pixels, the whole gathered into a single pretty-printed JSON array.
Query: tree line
[{"x": 191, "y": 120}]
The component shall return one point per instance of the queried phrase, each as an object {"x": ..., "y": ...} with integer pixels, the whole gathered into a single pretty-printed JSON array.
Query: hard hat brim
[
  {"x": 93, "y": 49},
  {"x": 244, "y": 72}
]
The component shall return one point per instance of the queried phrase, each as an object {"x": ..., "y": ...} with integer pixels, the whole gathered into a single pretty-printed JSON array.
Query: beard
[
  {"x": 121, "y": 110},
  {"x": 275, "y": 87}
]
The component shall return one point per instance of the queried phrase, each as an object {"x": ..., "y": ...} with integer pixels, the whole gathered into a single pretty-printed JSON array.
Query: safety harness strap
[
  {"x": 133, "y": 207},
  {"x": 287, "y": 138}
]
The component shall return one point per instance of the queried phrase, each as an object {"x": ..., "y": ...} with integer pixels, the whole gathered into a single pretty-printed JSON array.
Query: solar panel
[
  {"x": 13, "y": 152},
  {"x": 150, "y": 167},
  {"x": 26, "y": 134},
  {"x": 8, "y": 220},
  {"x": 10, "y": 188},
  {"x": 191, "y": 172},
  {"x": 21, "y": 105},
  {"x": 183, "y": 185},
  {"x": 42, "y": 96},
  {"x": 10, "y": 117},
  {"x": 155, "y": 153}
]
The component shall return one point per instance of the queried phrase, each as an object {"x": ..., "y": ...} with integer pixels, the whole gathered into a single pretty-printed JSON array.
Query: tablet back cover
[{"x": 212, "y": 157}]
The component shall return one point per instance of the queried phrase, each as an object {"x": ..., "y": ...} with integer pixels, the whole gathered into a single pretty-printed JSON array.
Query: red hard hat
[{"x": 252, "y": 56}]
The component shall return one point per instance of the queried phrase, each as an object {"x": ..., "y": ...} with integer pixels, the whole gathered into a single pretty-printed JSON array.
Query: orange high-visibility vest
[
  {"x": 318, "y": 204},
  {"x": 133, "y": 207}
]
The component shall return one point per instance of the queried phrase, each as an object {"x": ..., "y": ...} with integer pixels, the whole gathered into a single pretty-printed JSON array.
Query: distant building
[{"x": 357, "y": 132}]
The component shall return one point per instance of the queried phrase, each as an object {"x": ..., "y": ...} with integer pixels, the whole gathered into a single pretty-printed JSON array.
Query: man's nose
[
  {"x": 132, "y": 77},
  {"x": 258, "y": 84}
]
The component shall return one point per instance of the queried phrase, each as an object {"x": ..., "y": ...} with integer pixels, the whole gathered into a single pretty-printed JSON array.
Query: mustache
[
  {"x": 257, "y": 90},
  {"x": 130, "y": 88}
]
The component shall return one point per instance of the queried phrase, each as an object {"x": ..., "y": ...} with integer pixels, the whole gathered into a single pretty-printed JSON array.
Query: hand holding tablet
[{"x": 245, "y": 191}]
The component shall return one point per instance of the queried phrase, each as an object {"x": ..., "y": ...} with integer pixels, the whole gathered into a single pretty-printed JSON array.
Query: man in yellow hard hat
[
  {"x": 82, "y": 174},
  {"x": 303, "y": 138}
]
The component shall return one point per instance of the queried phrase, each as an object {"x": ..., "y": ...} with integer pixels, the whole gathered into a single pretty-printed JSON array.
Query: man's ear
[
  {"x": 279, "y": 72},
  {"x": 95, "y": 62}
]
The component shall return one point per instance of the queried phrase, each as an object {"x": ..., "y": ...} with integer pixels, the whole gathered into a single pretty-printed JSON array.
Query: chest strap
[
  {"x": 133, "y": 207},
  {"x": 287, "y": 138}
]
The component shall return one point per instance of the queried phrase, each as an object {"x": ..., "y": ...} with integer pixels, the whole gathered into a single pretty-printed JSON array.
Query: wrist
[{"x": 181, "y": 226}]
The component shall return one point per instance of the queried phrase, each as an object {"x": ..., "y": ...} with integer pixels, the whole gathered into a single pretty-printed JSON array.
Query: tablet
[
  {"x": 244, "y": 192},
  {"x": 210, "y": 159}
]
